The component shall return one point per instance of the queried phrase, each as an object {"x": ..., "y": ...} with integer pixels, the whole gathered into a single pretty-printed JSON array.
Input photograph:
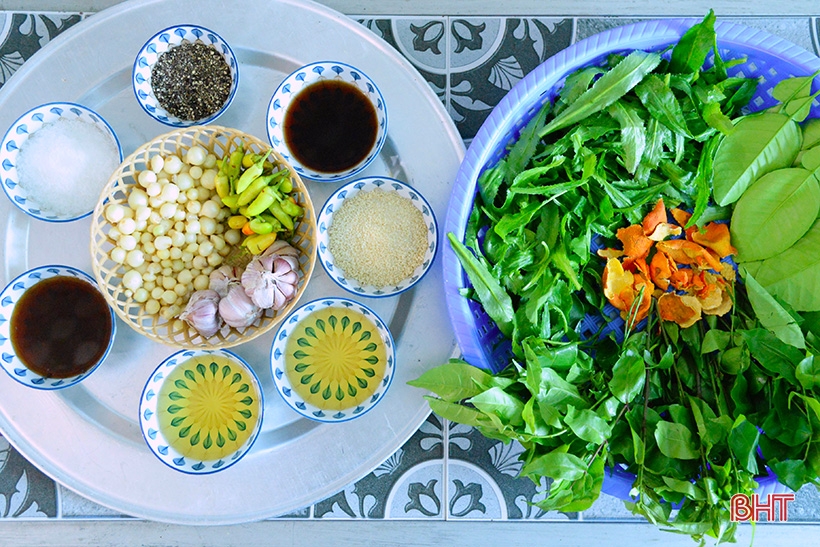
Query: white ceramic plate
[{"x": 91, "y": 441}]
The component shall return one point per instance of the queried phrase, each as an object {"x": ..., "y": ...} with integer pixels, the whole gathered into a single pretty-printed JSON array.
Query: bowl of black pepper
[{"x": 185, "y": 75}]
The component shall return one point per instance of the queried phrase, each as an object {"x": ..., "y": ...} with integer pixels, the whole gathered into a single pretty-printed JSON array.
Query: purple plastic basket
[{"x": 770, "y": 59}]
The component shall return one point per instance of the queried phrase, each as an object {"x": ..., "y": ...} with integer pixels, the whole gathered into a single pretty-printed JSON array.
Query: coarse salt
[
  {"x": 65, "y": 164},
  {"x": 378, "y": 238}
]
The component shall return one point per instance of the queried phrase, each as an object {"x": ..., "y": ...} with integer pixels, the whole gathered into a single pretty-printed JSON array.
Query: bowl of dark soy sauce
[
  {"x": 55, "y": 327},
  {"x": 328, "y": 120}
]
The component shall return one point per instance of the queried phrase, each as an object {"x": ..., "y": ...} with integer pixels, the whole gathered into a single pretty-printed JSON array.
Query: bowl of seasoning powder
[
  {"x": 377, "y": 236},
  {"x": 328, "y": 120},
  {"x": 55, "y": 327},
  {"x": 185, "y": 75},
  {"x": 56, "y": 159}
]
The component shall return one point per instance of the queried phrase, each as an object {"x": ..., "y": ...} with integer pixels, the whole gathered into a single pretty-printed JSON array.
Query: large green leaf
[
  {"x": 794, "y": 274},
  {"x": 774, "y": 213},
  {"x": 587, "y": 425},
  {"x": 690, "y": 52},
  {"x": 633, "y": 134},
  {"x": 609, "y": 88},
  {"x": 676, "y": 441},
  {"x": 760, "y": 143},
  {"x": 743, "y": 441},
  {"x": 455, "y": 381},
  {"x": 557, "y": 464},
  {"x": 497, "y": 303},
  {"x": 771, "y": 314}
]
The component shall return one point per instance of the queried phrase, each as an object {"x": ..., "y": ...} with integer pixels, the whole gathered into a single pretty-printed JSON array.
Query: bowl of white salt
[{"x": 56, "y": 159}]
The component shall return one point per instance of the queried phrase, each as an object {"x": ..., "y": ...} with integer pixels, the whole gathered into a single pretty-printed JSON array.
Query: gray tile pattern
[{"x": 446, "y": 470}]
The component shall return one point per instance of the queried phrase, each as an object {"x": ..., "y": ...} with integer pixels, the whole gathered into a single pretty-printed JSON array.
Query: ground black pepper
[{"x": 191, "y": 81}]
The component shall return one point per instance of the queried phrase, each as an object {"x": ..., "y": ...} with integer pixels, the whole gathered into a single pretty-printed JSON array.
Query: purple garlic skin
[
  {"x": 202, "y": 312},
  {"x": 222, "y": 278},
  {"x": 271, "y": 279},
  {"x": 237, "y": 309}
]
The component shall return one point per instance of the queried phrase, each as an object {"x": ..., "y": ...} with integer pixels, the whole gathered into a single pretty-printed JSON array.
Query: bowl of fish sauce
[
  {"x": 328, "y": 119},
  {"x": 333, "y": 360},
  {"x": 185, "y": 75},
  {"x": 201, "y": 410},
  {"x": 56, "y": 327}
]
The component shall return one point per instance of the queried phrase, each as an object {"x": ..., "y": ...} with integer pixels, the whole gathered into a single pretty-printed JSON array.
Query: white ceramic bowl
[
  {"x": 368, "y": 184},
  {"x": 302, "y": 78},
  {"x": 160, "y": 43},
  {"x": 183, "y": 425},
  {"x": 25, "y": 126},
  {"x": 363, "y": 333},
  {"x": 9, "y": 360}
]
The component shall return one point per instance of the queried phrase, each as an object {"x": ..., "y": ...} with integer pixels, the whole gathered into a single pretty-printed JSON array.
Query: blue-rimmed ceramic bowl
[
  {"x": 160, "y": 43},
  {"x": 9, "y": 359},
  {"x": 16, "y": 136},
  {"x": 304, "y": 77},
  {"x": 188, "y": 384},
  {"x": 368, "y": 184},
  {"x": 333, "y": 360}
]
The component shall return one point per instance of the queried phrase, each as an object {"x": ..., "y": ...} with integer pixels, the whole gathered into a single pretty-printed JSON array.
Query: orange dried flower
[
  {"x": 661, "y": 269},
  {"x": 636, "y": 244},
  {"x": 688, "y": 252},
  {"x": 715, "y": 237},
  {"x": 627, "y": 274},
  {"x": 656, "y": 216},
  {"x": 683, "y": 310},
  {"x": 680, "y": 216}
]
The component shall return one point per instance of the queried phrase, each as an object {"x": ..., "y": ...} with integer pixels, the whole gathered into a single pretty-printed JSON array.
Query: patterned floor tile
[
  {"x": 488, "y": 56},
  {"x": 420, "y": 41},
  {"x": 483, "y": 480},
  {"x": 24, "y": 490},
  {"x": 409, "y": 484},
  {"x": 23, "y": 34}
]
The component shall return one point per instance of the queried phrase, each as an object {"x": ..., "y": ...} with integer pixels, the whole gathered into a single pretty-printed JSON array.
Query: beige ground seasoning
[{"x": 378, "y": 238}]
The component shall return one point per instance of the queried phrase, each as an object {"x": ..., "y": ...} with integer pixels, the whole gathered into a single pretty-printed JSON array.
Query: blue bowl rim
[
  {"x": 435, "y": 224},
  {"x": 53, "y": 104},
  {"x": 334, "y": 299},
  {"x": 80, "y": 377},
  {"x": 187, "y": 123},
  {"x": 250, "y": 442},
  {"x": 329, "y": 178}
]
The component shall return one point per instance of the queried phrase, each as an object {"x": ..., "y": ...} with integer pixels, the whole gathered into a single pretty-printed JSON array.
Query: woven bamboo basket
[{"x": 173, "y": 332}]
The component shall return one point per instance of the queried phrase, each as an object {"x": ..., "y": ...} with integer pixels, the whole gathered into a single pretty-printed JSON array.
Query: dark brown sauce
[
  {"x": 61, "y": 327},
  {"x": 330, "y": 126}
]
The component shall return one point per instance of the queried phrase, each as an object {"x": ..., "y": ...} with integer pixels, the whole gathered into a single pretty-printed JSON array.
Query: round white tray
[{"x": 87, "y": 437}]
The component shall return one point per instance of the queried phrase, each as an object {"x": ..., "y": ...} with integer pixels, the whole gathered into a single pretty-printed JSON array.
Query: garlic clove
[
  {"x": 237, "y": 309},
  {"x": 201, "y": 312},
  {"x": 222, "y": 278}
]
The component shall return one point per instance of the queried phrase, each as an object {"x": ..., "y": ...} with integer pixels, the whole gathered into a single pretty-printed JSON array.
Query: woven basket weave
[{"x": 220, "y": 141}]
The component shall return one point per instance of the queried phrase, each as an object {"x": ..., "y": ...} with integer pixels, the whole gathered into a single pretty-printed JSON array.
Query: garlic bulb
[
  {"x": 221, "y": 279},
  {"x": 271, "y": 279},
  {"x": 237, "y": 309},
  {"x": 281, "y": 248},
  {"x": 202, "y": 312}
]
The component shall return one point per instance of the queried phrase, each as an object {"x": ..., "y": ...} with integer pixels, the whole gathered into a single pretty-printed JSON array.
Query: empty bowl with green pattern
[
  {"x": 201, "y": 410},
  {"x": 332, "y": 360}
]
